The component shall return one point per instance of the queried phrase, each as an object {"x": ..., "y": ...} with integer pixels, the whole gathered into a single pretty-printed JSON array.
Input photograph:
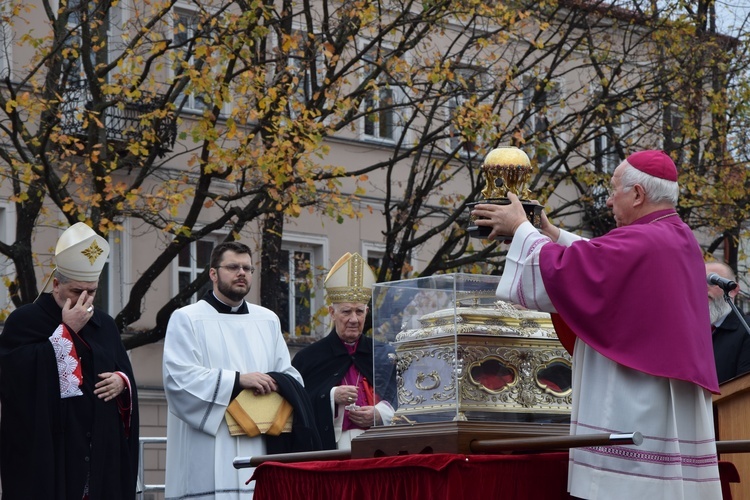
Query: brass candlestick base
[
  {"x": 533, "y": 214},
  {"x": 505, "y": 169}
]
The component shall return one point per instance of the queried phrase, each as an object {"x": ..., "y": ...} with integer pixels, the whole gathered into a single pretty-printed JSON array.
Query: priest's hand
[
  {"x": 260, "y": 383},
  {"x": 77, "y": 314},
  {"x": 503, "y": 219},
  {"x": 109, "y": 387},
  {"x": 364, "y": 416},
  {"x": 345, "y": 394}
]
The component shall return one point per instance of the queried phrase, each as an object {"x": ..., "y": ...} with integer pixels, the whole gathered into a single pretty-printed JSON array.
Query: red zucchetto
[{"x": 654, "y": 162}]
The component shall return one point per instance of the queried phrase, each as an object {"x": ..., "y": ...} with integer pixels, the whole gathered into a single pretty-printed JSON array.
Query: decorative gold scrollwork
[{"x": 421, "y": 377}]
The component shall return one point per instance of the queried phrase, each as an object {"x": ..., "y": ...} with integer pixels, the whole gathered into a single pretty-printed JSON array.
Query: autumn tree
[
  {"x": 182, "y": 120},
  {"x": 579, "y": 87},
  {"x": 205, "y": 117}
]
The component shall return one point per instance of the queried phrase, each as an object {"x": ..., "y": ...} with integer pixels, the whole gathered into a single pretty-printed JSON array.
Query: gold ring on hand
[{"x": 89, "y": 309}]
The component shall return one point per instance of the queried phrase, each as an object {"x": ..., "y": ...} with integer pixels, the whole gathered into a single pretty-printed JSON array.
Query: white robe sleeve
[
  {"x": 386, "y": 412},
  {"x": 384, "y": 408},
  {"x": 521, "y": 282},
  {"x": 568, "y": 239},
  {"x": 198, "y": 395},
  {"x": 338, "y": 415}
]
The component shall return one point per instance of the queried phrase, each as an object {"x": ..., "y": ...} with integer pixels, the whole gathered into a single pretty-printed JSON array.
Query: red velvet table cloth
[{"x": 435, "y": 477}]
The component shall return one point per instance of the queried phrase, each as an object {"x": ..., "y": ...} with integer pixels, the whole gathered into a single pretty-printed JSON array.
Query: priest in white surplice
[
  {"x": 633, "y": 303},
  {"x": 212, "y": 350}
]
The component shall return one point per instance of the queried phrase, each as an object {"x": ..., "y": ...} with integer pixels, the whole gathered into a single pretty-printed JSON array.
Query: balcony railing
[{"x": 123, "y": 124}]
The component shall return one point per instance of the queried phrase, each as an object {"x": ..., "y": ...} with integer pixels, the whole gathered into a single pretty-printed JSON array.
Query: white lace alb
[{"x": 66, "y": 363}]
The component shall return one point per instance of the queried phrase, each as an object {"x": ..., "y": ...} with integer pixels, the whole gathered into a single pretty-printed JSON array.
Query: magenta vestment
[{"x": 638, "y": 296}]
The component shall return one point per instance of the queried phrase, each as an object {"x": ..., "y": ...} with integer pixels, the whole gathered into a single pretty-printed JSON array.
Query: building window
[
  {"x": 374, "y": 261},
  {"x": 186, "y": 29},
  {"x": 673, "y": 128},
  {"x": 76, "y": 93},
  {"x": 72, "y": 67},
  {"x": 108, "y": 294},
  {"x": 382, "y": 106},
  {"x": 302, "y": 311},
  {"x": 306, "y": 65},
  {"x": 540, "y": 104},
  {"x": 102, "y": 299},
  {"x": 380, "y": 124},
  {"x": 80, "y": 12},
  {"x": 6, "y": 39},
  {"x": 373, "y": 254},
  {"x": 76, "y": 96},
  {"x": 192, "y": 261},
  {"x": 296, "y": 304},
  {"x": 468, "y": 84},
  {"x": 606, "y": 158},
  {"x": 614, "y": 131},
  {"x": 7, "y": 270}
]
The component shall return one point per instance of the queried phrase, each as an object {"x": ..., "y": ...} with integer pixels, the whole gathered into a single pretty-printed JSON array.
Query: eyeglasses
[{"x": 235, "y": 268}]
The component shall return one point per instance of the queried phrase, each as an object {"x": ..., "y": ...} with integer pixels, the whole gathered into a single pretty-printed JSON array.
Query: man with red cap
[{"x": 631, "y": 306}]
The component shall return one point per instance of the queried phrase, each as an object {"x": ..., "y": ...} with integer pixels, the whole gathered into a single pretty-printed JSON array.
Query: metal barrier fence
[{"x": 144, "y": 488}]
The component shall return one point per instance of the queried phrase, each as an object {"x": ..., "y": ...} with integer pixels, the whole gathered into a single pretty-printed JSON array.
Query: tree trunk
[{"x": 270, "y": 265}]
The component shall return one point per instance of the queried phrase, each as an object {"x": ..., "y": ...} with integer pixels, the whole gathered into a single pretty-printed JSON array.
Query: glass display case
[{"x": 446, "y": 349}]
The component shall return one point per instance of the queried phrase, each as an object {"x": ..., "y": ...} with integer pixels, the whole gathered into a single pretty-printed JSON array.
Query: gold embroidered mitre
[
  {"x": 350, "y": 280},
  {"x": 80, "y": 254}
]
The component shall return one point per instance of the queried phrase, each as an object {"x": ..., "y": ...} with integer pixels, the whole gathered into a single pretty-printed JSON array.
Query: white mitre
[{"x": 80, "y": 254}]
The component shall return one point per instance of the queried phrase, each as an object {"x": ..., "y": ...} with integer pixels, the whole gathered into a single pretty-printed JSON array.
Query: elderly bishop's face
[
  {"x": 348, "y": 319},
  {"x": 620, "y": 200}
]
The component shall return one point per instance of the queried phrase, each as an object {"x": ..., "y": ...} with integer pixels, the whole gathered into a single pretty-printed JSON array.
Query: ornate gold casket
[{"x": 460, "y": 354}]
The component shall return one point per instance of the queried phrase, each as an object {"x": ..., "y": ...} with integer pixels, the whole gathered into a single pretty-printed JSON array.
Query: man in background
[
  {"x": 69, "y": 425},
  {"x": 338, "y": 369},
  {"x": 731, "y": 341}
]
